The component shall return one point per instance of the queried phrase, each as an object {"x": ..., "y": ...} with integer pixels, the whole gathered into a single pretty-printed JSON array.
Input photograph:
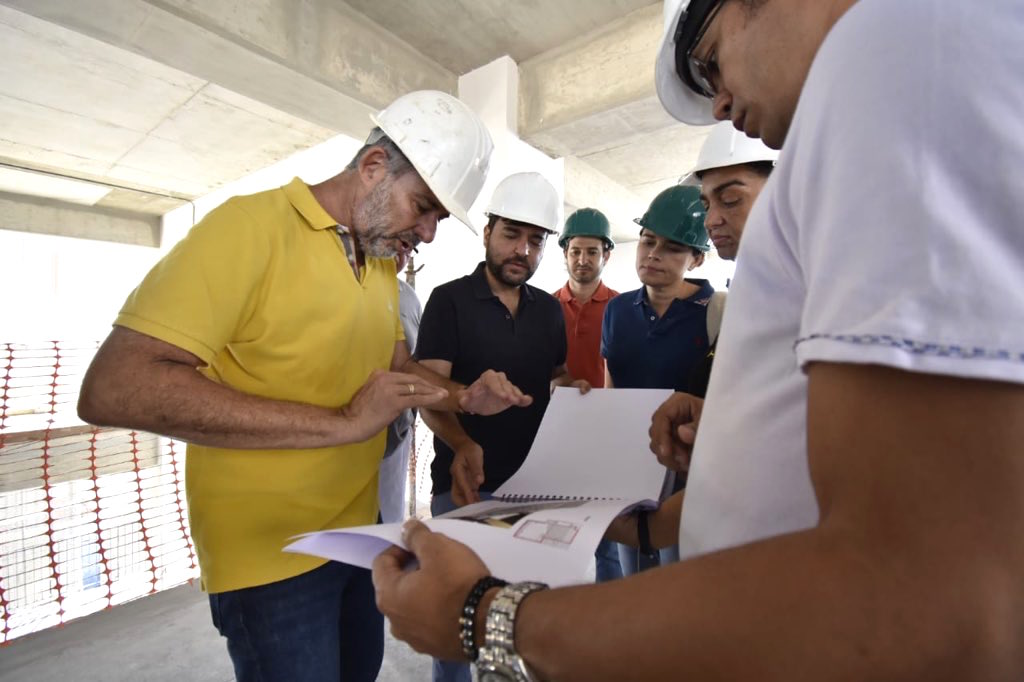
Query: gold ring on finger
[{"x": 412, "y": 389}]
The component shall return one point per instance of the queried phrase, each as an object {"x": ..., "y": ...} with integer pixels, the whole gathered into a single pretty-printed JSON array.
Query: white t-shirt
[{"x": 891, "y": 233}]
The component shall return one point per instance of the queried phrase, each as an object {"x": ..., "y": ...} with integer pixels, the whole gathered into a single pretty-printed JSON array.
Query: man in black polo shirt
[{"x": 492, "y": 320}]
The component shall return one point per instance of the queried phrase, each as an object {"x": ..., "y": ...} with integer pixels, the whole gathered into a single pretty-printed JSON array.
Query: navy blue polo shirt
[
  {"x": 645, "y": 351},
  {"x": 465, "y": 324}
]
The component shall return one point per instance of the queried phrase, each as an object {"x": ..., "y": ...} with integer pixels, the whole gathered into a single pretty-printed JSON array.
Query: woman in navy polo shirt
[{"x": 657, "y": 336}]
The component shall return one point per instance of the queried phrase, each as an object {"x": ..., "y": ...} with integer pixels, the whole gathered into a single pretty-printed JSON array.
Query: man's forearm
[
  {"x": 799, "y": 607},
  {"x": 663, "y": 525},
  {"x": 454, "y": 388},
  {"x": 445, "y": 425},
  {"x": 664, "y": 521},
  {"x": 179, "y": 402}
]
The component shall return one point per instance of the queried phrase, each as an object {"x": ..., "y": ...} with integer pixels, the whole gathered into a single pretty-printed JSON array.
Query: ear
[
  {"x": 607, "y": 255},
  {"x": 697, "y": 262},
  {"x": 487, "y": 235},
  {"x": 373, "y": 167}
]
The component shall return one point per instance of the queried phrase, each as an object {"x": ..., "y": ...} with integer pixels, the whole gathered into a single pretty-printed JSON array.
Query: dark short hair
[
  {"x": 493, "y": 218},
  {"x": 398, "y": 163},
  {"x": 762, "y": 168},
  {"x": 605, "y": 244}
]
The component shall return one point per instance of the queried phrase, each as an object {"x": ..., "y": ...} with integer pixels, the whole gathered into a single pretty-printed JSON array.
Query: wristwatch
[{"x": 498, "y": 660}]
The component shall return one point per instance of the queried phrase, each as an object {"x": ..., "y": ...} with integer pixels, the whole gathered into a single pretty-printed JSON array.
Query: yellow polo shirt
[{"x": 261, "y": 290}]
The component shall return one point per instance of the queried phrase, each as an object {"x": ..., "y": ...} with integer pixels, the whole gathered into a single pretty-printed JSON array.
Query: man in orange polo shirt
[{"x": 587, "y": 244}]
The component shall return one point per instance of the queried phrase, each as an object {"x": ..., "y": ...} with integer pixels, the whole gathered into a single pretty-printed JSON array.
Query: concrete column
[{"x": 587, "y": 186}]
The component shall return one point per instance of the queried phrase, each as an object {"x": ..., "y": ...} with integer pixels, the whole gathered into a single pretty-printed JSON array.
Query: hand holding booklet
[{"x": 589, "y": 463}]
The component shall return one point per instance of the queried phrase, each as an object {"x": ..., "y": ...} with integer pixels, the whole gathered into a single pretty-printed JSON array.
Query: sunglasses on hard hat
[{"x": 699, "y": 74}]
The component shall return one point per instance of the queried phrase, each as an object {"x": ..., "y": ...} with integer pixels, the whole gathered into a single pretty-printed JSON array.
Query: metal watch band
[{"x": 498, "y": 653}]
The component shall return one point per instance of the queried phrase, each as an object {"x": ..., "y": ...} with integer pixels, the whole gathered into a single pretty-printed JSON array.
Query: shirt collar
[
  {"x": 302, "y": 199},
  {"x": 701, "y": 297},
  {"x": 602, "y": 293}
]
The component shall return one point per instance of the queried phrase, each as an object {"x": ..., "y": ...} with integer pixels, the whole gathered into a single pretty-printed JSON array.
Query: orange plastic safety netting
[{"x": 89, "y": 517}]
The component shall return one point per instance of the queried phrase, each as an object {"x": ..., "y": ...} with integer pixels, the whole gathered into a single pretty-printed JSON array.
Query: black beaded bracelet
[{"x": 467, "y": 621}]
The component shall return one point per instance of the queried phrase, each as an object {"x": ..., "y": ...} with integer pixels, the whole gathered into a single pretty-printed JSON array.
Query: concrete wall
[
  {"x": 59, "y": 287},
  {"x": 62, "y": 288}
]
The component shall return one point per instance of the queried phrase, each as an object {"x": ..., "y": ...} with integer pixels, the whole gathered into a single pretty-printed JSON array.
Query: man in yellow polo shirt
[{"x": 265, "y": 340}]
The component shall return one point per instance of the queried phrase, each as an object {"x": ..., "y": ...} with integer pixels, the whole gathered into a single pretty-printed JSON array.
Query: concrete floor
[{"x": 166, "y": 637}]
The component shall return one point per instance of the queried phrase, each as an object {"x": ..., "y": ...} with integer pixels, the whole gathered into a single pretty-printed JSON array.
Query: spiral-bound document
[{"x": 589, "y": 462}]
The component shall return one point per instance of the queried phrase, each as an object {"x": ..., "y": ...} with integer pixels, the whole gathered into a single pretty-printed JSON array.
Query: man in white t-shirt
[{"x": 855, "y": 507}]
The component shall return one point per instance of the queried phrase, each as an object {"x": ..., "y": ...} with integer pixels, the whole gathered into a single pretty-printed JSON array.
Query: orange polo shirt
[{"x": 583, "y": 332}]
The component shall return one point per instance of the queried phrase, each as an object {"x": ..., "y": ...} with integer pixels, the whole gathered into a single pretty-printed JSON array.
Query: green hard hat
[
  {"x": 587, "y": 222},
  {"x": 678, "y": 215}
]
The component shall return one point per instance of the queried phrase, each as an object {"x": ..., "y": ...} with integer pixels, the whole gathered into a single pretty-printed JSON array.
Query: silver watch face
[
  {"x": 500, "y": 666},
  {"x": 494, "y": 676}
]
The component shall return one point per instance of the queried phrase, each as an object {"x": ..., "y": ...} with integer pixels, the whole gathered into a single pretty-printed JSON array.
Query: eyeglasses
[{"x": 702, "y": 72}]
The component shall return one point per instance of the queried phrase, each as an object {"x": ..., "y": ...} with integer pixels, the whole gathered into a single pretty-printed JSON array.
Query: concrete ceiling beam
[
  {"x": 47, "y": 216},
  {"x": 318, "y": 60},
  {"x": 595, "y": 91}
]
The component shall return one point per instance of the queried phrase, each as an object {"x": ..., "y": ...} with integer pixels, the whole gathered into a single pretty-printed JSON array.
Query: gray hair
[{"x": 398, "y": 163}]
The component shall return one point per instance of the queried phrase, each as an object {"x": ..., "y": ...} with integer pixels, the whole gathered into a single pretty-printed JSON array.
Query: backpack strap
[{"x": 716, "y": 308}]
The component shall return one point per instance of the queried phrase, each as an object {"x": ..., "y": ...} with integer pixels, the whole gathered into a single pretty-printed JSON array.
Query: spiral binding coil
[{"x": 551, "y": 498}]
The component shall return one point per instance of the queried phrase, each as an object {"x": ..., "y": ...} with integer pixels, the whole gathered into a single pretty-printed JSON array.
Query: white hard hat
[
  {"x": 676, "y": 96},
  {"x": 727, "y": 146},
  {"x": 446, "y": 142},
  {"x": 526, "y": 198}
]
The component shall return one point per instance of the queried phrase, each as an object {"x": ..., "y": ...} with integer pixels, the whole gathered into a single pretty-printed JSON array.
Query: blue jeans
[
  {"x": 608, "y": 565},
  {"x": 394, "y": 473},
  {"x": 633, "y": 562},
  {"x": 450, "y": 671},
  {"x": 321, "y": 626}
]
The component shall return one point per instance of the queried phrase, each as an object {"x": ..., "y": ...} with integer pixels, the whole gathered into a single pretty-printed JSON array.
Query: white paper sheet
[
  {"x": 593, "y": 446},
  {"x": 554, "y": 546}
]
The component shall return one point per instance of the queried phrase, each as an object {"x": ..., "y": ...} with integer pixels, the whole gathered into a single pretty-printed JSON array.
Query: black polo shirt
[{"x": 465, "y": 324}]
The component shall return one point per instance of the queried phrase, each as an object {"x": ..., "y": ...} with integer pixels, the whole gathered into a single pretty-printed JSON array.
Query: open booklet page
[{"x": 592, "y": 446}]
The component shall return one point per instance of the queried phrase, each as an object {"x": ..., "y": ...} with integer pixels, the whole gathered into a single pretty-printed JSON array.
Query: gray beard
[{"x": 373, "y": 215}]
